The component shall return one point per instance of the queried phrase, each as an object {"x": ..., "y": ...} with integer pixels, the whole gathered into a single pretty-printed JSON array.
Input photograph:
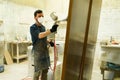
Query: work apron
[{"x": 41, "y": 55}]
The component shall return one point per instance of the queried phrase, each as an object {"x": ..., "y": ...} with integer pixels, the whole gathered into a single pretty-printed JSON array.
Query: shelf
[
  {"x": 20, "y": 57},
  {"x": 24, "y": 23},
  {"x": 15, "y": 50},
  {"x": 111, "y": 46}
]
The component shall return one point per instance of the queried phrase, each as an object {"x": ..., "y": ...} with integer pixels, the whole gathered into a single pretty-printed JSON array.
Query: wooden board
[{"x": 8, "y": 57}]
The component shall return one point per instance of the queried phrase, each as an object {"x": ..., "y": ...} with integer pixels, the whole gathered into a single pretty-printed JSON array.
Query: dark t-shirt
[{"x": 35, "y": 30}]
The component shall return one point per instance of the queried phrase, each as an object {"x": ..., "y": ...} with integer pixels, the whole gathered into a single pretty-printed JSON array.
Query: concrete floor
[
  {"x": 20, "y": 72},
  {"x": 15, "y": 71}
]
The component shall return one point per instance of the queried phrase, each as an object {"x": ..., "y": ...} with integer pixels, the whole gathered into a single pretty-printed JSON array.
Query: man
[{"x": 40, "y": 50}]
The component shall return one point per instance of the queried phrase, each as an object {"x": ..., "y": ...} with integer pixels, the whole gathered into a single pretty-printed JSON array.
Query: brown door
[{"x": 82, "y": 28}]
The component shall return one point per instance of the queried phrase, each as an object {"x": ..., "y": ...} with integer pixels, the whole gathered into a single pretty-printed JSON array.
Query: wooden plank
[
  {"x": 20, "y": 56},
  {"x": 7, "y": 55}
]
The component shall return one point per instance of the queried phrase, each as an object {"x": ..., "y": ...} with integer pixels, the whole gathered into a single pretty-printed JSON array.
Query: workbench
[
  {"x": 110, "y": 53},
  {"x": 16, "y": 49}
]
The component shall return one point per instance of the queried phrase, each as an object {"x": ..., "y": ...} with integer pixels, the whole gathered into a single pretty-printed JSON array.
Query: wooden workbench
[
  {"x": 110, "y": 53},
  {"x": 15, "y": 49}
]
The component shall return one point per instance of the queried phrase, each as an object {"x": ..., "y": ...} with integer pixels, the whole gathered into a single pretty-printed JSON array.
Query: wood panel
[
  {"x": 77, "y": 20},
  {"x": 81, "y": 37}
]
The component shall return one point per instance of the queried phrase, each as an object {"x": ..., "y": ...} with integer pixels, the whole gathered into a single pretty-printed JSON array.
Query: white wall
[
  {"x": 109, "y": 24},
  {"x": 18, "y": 18},
  {"x": 109, "y": 20}
]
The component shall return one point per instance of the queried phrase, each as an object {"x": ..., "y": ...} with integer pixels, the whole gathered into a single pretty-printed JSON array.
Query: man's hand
[
  {"x": 54, "y": 28},
  {"x": 51, "y": 44}
]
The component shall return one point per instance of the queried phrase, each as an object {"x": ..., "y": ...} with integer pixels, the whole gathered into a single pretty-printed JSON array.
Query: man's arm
[
  {"x": 44, "y": 34},
  {"x": 49, "y": 31}
]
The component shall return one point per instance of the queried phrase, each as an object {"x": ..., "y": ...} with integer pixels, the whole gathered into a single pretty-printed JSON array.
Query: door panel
[
  {"x": 75, "y": 39},
  {"x": 82, "y": 28}
]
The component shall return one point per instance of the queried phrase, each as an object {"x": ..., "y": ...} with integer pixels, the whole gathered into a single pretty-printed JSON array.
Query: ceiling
[{"x": 32, "y": 3}]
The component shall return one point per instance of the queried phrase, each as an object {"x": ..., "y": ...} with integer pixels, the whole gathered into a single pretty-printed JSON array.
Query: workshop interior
[{"x": 86, "y": 43}]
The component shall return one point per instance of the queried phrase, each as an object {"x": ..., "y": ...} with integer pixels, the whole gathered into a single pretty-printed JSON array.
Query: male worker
[{"x": 40, "y": 50}]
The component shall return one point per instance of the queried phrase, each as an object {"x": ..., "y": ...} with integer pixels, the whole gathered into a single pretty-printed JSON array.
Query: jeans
[{"x": 42, "y": 74}]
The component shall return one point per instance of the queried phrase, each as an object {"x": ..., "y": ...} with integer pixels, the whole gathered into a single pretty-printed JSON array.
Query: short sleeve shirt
[{"x": 35, "y": 30}]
